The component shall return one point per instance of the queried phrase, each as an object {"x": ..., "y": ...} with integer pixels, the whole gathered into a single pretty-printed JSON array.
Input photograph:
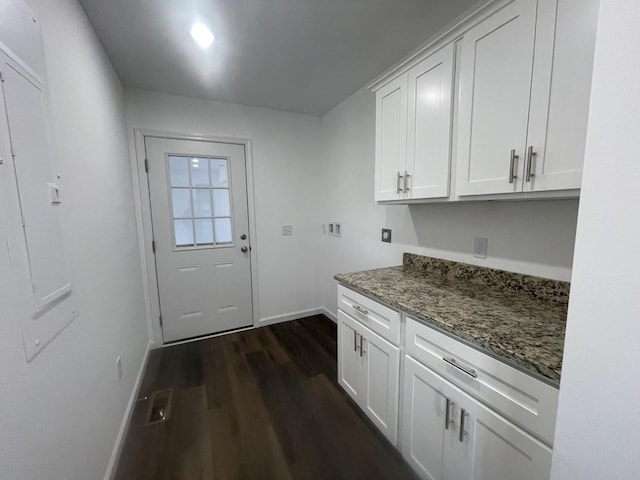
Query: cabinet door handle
[
  {"x": 406, "y": 181},
  {"x": 399, "y": 184},
  {"x": 447, "y": 414},
  {"x": 530, "y": 155},
  {"x": 361, "y": 345},
  {"x": 469, "y": 371},
  {"x": 355, "y": 341},
  {"x": 512, "y": 165},
  {"x": 361, "y": 310},
  {"x": 463, "y": 413}
]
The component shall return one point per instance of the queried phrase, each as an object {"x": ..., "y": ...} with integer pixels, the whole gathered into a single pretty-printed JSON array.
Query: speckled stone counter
[{"x": 518, "y": 319}]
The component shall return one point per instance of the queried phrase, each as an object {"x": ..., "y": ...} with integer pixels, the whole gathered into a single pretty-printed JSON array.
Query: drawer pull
[
  {"x": 462, "y": 432},
  {"x": 469, "y": 371},
  {"x": 447, "y": 415},
  {"x": 361, "y": 310}
]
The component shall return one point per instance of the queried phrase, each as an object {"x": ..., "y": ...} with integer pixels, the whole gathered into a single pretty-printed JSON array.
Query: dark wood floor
[{"x": 261, "y": 404}]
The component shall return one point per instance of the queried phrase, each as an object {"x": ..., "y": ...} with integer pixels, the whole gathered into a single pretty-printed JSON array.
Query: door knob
[
  {"x": 244, "y": 249},
  {"x": 243, "y": 236}
]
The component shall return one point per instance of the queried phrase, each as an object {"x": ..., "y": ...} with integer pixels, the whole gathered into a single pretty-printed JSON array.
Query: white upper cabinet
[
  {"x": 497, "y": 106},
  {"x": 525, "y": 80},
  {"x": 413, "y": 131},
  {"x": 495, "y": 85},
  {"x": 429, "y": 125},
  {"x": 391, "y": 139},
  {"x": 560, "y": 108}
]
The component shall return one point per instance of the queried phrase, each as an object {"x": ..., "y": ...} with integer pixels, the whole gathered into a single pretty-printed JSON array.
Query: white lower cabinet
[
  {"x": 368, "y": 370},
  {"x": 449, "y": 435}
]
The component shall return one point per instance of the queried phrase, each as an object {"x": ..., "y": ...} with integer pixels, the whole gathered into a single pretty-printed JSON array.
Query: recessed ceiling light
[{"x": 202, "y": 35}]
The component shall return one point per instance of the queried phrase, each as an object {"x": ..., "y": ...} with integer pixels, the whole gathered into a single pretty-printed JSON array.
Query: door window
[{"x": 200, "y": 201}]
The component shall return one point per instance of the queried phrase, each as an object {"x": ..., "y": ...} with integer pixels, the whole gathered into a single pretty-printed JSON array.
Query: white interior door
[{"x": 198, "y": 193}]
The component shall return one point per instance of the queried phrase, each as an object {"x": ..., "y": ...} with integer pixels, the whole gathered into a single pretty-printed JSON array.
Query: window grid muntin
[{"x": 191, "y": 188}]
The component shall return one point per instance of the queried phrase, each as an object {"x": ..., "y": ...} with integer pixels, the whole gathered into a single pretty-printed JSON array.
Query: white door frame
[{"x": 145, "y": 231}]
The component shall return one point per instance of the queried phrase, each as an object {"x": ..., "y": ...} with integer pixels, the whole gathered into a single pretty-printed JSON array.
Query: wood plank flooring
[{"x": 260, "y": 404}]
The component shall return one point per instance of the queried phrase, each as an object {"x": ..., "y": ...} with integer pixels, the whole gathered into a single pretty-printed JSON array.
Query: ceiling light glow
[{"x": 202, "y": 35}]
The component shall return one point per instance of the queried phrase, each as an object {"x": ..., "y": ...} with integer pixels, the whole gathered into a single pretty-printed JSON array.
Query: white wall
[
  {"x": 61, "y": 413},
  {"x": 285, "y": 159},
  {"x": 532, "y": 237},
  {"x": 598, "y": 428}
]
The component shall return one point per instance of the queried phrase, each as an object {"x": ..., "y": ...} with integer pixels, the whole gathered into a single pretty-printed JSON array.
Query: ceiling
[{"x": 296, "y": 55}]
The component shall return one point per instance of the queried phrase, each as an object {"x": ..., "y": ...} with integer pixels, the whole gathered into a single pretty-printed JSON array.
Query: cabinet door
[
  {"x": 492, "y": 448},
  {"x": 391, "y": 139},
  {"x": 349, "y": 356},
  {"x": 559, "y": 114},
  {"x": 423, "y": 419},
  {"x": 495, "y": 82},
  {"x": 381, "y": 367},
  {"x": 429, "y": 125}
]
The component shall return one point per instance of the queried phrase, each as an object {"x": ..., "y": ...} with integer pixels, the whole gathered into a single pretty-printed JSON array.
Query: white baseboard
[
  {"x": 330, "y": 314},
  {"x": 117, "y": 448},
  {"x": 291, "y": 316}
]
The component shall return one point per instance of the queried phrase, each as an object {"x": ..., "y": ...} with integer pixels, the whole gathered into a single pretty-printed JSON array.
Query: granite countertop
[{"x": 518, "y": 319}]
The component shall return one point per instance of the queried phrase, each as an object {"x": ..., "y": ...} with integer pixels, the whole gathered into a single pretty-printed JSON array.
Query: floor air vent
[{"x": 159, "y": 406}]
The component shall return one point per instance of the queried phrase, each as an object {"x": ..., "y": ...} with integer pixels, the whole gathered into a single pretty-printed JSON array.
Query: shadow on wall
[{"x": 538, "y": 232}]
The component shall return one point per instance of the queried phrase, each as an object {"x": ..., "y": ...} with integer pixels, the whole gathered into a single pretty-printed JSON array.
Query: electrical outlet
[
  {"x": 480, "y": 247},
  {"x": 335, "y": 229},
  {"x": 386, "y": 235},
  {"x": 287, "y": 230},
  {"x": 119, "y": 367}
]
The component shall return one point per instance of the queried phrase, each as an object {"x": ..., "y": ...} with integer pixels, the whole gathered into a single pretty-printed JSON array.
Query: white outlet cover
[
  {"x": 287, "y": 230},
  {"x": 480, "y": 247}
]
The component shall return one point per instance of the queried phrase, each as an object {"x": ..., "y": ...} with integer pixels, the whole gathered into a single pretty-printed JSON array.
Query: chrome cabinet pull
[
  {"x": 361, "y": 310},
  {"x": 529, "y": 168},
  {"x": 355, "y": 341},
  {"x": 463, "y": 413},
  {"x": 398, "y": 185},
  {"x": 447, "y": 414},
  {"x": 406, "y": 181},
  {"x": 469, "y": 371},
  {"x": 360, "y": 345},
  {"x": 512, "y": 166}
]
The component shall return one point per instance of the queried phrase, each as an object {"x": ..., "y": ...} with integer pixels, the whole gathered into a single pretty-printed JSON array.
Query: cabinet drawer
[
  {"x": 382, "y": 320},
  {"x": 525, "y": 400}
]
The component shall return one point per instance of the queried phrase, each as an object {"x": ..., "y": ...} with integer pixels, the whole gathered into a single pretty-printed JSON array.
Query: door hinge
[
  {"x": 161, "y": 320},
  {"x": 13, "y": 151},
  {"x": 146, "y": 165},
  {"x": 153, "y": 246},
  {"x": 1, "y": 76}
]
